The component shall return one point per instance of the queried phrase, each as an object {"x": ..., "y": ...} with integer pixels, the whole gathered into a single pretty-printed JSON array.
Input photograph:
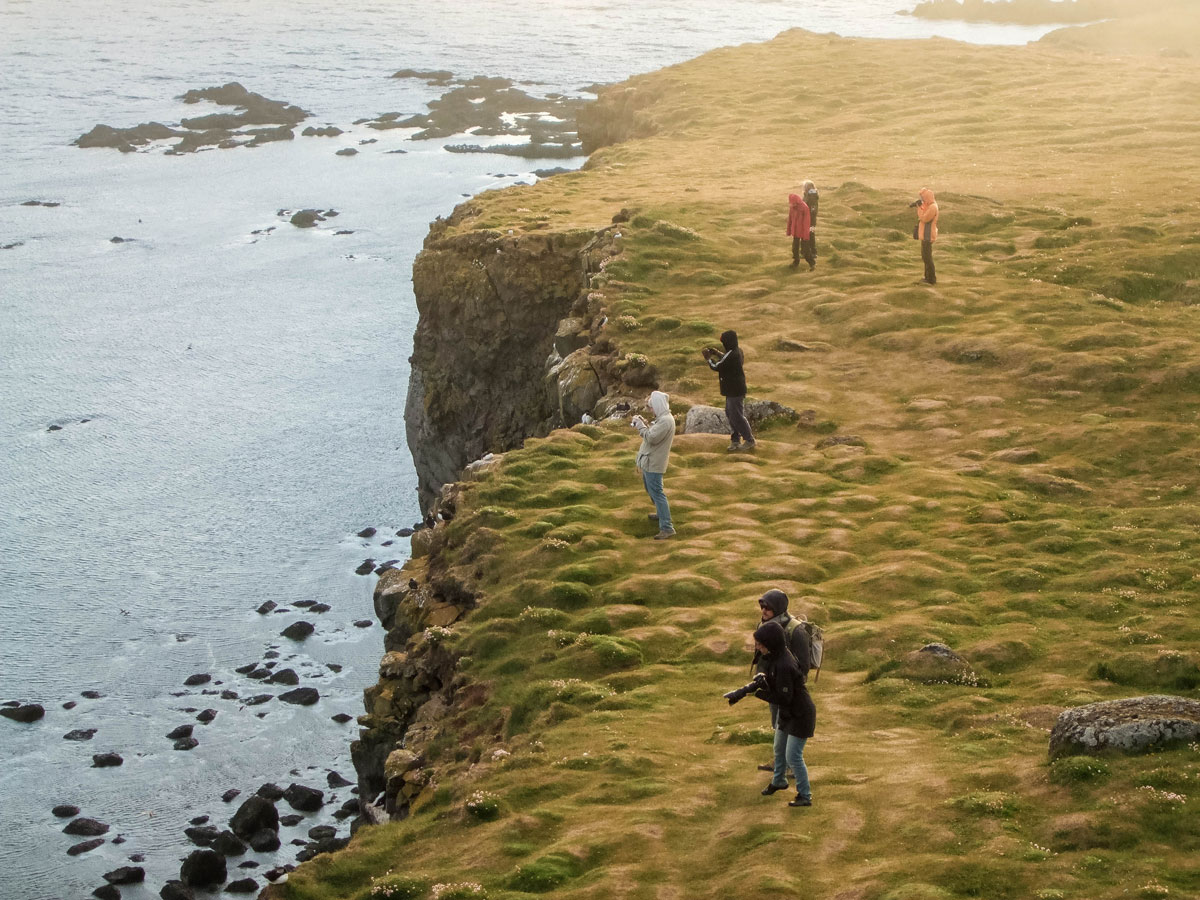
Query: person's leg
[
  {"x": 927, "y": 258},
  {"x": 735, "y": 411},
  {"x": 774, "y": 720},
  {"x": 779, "y": 779},
  {"x": 795, "y": 251},
  {"x": 794, "y": 754},
  {"x": 735, "y": 437},
  {"x": 654, "y": 487},
  {"x": 810, "y": 252}
]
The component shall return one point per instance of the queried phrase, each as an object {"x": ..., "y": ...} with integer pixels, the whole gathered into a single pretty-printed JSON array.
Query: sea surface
[{"x": 201, "y": 417}]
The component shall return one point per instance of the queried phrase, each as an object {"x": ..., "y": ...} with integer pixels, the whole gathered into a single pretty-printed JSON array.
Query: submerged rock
[
  {"x": 305, "y": 696},
  {"x": 176, "y": 890},
  {"x": 304, "y": 799},
  {"x": 65, "y": 811},
  {"x": 80, "y": 734},
  {"x": 84, "y": 846},
  {"x": 84, "y": 827},
  {"x": 106, "y": 760},
  {"x": 126, "y": 875},
  {"x": 203, "y": 868},
  {"x": 256, "y": 814},
  {"x": 23, "y": 712},
  {"x": 1133, "y": 725},
  {"x": 298, "y": 630}
]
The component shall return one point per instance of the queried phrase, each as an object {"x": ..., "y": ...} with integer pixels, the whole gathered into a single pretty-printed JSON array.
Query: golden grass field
[{"x": 1017, "y": 479}]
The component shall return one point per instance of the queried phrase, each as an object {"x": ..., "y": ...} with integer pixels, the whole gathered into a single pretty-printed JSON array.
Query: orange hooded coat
[{"x": 927, "y": 215}]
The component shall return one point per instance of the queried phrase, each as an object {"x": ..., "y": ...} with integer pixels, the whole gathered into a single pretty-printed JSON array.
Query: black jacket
[
  {"x": 729, "y": 367},
  {"x": 811, "y": 198},
  {"x": 785, "y": 684},
  {"x": 799, "y": 642}
]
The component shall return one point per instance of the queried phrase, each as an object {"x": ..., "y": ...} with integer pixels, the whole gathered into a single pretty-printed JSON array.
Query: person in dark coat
[
  {"x": 809, "y": 248},
  {"x": 797, "y": 719},
  {"x": 732, "y": 379},
  {"x": 773, "y": 607}
]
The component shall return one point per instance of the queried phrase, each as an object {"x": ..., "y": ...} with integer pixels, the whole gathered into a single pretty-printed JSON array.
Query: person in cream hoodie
[{"x": 652, "y": 459}]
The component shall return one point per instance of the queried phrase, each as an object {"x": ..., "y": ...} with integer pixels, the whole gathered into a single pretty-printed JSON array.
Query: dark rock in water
[
  {"x": 305, "y": 854},
  {"x": 298, "y": 842},
  {"x": 256, "y": 814},
  {"x": 366, "y": 567},
  {"x": 105, "y": 760},
  {"x": 229, "y": 695},
  {"x": 200, "y": 678},
  {"x": 387, "y": 543},
  {"x": 66, "y": 811},
  {"x": 550, "y": 173},
  {"x": 176, "y": 890},
  {"x": 248, "y": 864},
  {"x": 343, "y": 814},
  {"x": 303, "y": 604},
  {"x": 307, "y": 218},
  {"x": 321, "y": 832},
  {"x": 258, "y": 699},
  {"x": 384, "y": 567},
  {"x": 298, "y": 631},
  {"x": 259, "y": 674},
  {"x": 203, "y": 868},
  {"x": 249, "y": 667},
  {"x": 47, "y": 203},
  {"x": 107, "y": 892},
  {"x": 126, "y": 875},
  {"x": 284, "y": 676},
  {"x": 229, "y": 795},
  {"x": 342, "y": 718},
  {"x": 434, "y": 76},
  {"x": 363, "y": 623},
  {"x": 291, "y": 820},
  {"x": 325, "y": 845},
  {"x": 335, "y": 780},
  {"x": 25, "y": 712},
  {"x": 346, "y": 151},
  {"x": 80, "y": 734},
  {"x": 206, "y": 715},
  {"x": 86, "y": 828},
  {"x": 366, "y": 533},
  {"x": 304, "y": 799},
  {"x": 320, "y": 608},
  {"x": 120, "y": 240},
  {"x": 266, "y": 607},
  {"x": 54, "y": 428},
  {"x": 70, "y": 704},
  {"x": 202, "y": 835},
  {"x": 228, "y": 844},
  {"x": 13, "y": 245},
  {"x": 125, "y": 139},
  {"x": 1130, "y": 726},
  {"x": 84, "y": 846},
  {"x": 325, "y": 131},
  {"x": 270, "y": 791},
  {"x": 333, "y": 667},
  {"x": 187, "y": 743},
  {"x": 119, "y": 839},
  {"x": 242, "y": 886},
  {"x": 181, "y": 732},
  {"x": 91, "y": 695},
  {"x": 264, "y": 841},
  {"x": 199, "y": 820},
  {"x": 305, "y": 696},
  {"x": 404, "y": 532},
  {"x": 137, "y": 857}
]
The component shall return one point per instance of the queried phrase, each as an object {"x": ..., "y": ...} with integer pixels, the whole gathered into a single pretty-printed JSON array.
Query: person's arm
[
  {"x": 662, "y": 428},
  {"x": 716, "y": 366},
  {"x": 780, "y": 693},
  {"x": 926, "y": 212}
]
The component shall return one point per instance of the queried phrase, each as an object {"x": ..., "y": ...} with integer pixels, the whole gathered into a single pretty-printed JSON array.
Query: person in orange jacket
[
  {"x": 799, "y": 229},
  {"x": 927, "y": 231}
]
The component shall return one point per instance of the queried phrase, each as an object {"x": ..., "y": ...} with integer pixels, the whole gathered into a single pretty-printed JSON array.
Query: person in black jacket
[
  {"x": 773, "y": 607},
  {"x": 797, "y": 719},
  {"x": 808, "y": 248},
  {"x": 732, "y": 379}
]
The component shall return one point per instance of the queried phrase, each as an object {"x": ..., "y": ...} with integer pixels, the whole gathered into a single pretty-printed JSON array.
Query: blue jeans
[
  {"x": 654, "y": 487},
  {"x": 789, "y": 754}
]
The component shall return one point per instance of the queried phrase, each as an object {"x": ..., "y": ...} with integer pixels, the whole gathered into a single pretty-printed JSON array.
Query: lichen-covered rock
[
  {"x": 705, "y": 420},
  {"x": 935, "y": 664},
  {"x": 1133, "y": 725},
  {"x": 575, "y": 385}
]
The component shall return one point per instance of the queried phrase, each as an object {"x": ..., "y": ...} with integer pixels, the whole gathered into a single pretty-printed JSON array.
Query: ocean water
[{"x": 243, "y": 392}]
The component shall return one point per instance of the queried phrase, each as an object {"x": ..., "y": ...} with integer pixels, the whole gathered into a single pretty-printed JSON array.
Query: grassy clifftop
[{"x": 1004, "y": 463}]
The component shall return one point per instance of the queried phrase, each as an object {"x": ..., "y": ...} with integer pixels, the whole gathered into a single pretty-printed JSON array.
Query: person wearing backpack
[
  {"x": 781, "y": 684},
  {"x": 773, "y": 606}
]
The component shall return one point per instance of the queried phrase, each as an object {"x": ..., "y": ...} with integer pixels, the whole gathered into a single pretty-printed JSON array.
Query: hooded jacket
[
  {"x": 657, "y": 436},
  {"x": 785, "y": 686},
  {"x": 799, "y": 217},
  {"x": 798, "y": 640},
  {"x": 730, "y": 374},
  {"x": 927, "y": 215},
  {"x": 811, "y": 198}
]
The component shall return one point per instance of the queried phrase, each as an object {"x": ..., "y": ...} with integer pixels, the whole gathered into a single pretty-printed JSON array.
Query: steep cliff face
[{"x": 491, "y": 307}]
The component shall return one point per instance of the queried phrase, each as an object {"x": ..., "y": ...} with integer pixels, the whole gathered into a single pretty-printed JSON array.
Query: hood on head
[
  {"x": 660, "y": 403},
  {"x": 927, "y": 195},
  {"x": 808, "y": 187},
  {"x": 794, "y": 200},
  {"x": 729, "y": 340},
  {"x": 774, "y": 600},
  {"x": 771, "y": 635}
]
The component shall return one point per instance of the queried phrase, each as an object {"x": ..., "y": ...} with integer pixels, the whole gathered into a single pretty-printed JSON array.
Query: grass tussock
[{"x": 1004, "y": 464}]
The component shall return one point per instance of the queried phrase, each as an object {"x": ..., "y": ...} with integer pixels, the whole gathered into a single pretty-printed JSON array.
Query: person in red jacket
[
  {"x": 799, "y": 228},
  {"x": 927, "y": 231}
]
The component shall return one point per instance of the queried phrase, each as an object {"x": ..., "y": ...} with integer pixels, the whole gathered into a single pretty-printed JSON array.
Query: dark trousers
[
  {"x": 807, "y": 249},
  {"x": 735, "y": 412},
  {"x": 927, "y": 258}
]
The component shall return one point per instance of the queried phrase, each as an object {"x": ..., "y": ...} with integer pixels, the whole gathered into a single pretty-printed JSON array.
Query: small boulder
[
  {"x": 107, "y": 892},
  {"x": 271, "y": 791},
  {"x": 366, "y": 567},
  {"x": 266, "y": 607},
  {"x": 346, "y": 151},
  {"x": 307, "y": 218},
  {"x": 203, "y": 868},
  {"x": 304, "y": 799},
  {"x": 321, "y": 832},
  {"x": 299, "y": 630},
  {"x": 126, "y": 875},
  {"x": 242, "y": 886},
  {"x": 105, "y": 760},
  {"x": 256, "y": 814},
  {"x": 342, "y": 718},
  {"x": 229, "y": 795},
  {"x": 84, "y": 846},
  {"x": 366, "y": 533},
  {"x": 197, "y": 679},
  {"x": 65, "y": 811},
  {"x": 182, "y": 731},
  {"x": 176, "y": 890},
  {"x": 84, "y": 827},
  {"x": 284, "y": 676},
  {"x": 706, "y": 420},
  {"x": 206, "y": 715},
  {"x": 264, "y": 841},
  {"x": 291, "y": 820},
  {"x": 202, "y": 835},
  {"x": 1133, "y": 725},
  {"x": 335, "y": 780},
  {"x": 305, "y": 696},
  {"x": 80, "y": 734},
  {"x": 228, "y": 844},
  {"x": 90, "y": 695},
  {"x": 24, "y": 712}
]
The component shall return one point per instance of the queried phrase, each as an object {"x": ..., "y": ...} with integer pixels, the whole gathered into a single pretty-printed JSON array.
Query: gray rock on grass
[{"x": 1134, "y": 725}]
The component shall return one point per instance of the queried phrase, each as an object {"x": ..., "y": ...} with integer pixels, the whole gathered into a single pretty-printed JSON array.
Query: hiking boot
[
  {"x": 664, "y": 534},
  {"x": 751, "y": 445},
  {"x": 767, "y": 767},
  {"x": 733, "y": 448},
  {"x": 812, "y": 266},
  {"x": 800, "y": 801},
  {"x": 772, "y": 788}
]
